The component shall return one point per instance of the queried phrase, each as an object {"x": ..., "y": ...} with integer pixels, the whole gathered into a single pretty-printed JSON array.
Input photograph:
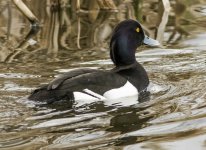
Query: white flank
[
  {"x": 128, "y": 90},
  {"x": 90, "y": 96},
  {"x": 125, "y": 91},
  {"x": 83, "y": 96}
]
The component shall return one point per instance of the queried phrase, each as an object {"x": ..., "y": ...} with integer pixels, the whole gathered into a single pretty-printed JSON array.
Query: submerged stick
[
  {"x": 26, "y": 11},
  {"x": 34, "y": 29},
  {"x": 32, "y": 19}
]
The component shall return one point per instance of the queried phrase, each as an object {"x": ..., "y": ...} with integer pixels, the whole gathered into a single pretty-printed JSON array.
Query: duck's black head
[{"x": 126, "y": 37}]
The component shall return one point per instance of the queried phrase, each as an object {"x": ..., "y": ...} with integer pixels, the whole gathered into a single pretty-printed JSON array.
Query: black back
[{"x": 97, "y": 81}]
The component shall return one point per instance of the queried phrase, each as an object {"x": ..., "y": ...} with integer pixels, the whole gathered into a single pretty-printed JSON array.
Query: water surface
[{"x": 173, "y": 118}]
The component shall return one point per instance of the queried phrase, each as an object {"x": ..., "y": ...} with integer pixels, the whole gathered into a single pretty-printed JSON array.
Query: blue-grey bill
[{"x": 151, "y": 42}]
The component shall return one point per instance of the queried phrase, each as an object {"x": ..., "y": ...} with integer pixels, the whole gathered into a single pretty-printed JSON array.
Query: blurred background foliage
[{"x": 67, "y": 26}]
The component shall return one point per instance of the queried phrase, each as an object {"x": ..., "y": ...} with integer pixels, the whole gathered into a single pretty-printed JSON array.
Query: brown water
[{"x": 173, "y": 119}]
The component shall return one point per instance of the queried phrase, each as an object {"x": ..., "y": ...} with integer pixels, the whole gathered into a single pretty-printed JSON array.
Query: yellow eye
[{"x": 137, "y": 30}]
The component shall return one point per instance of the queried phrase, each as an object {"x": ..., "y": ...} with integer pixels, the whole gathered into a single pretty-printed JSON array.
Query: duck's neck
[{"x": 125, "y": 67}]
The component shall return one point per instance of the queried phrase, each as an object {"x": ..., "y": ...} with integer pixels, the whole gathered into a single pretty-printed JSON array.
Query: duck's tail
[{"x": 50, "y": 96}]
